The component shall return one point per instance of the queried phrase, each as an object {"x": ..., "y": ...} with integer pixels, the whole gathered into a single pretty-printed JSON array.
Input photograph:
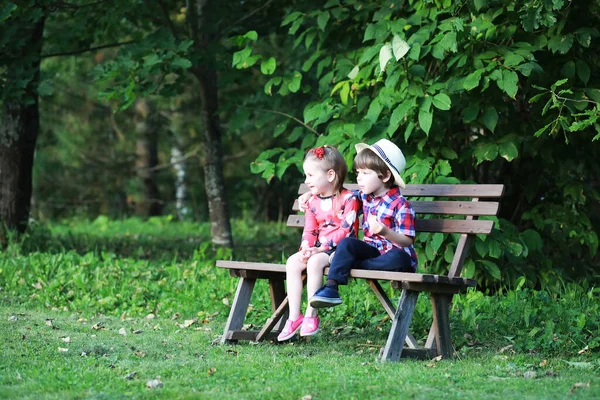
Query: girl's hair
[
  {"x": 367, "y": 159},
  {"x": 330, "y": 158}
]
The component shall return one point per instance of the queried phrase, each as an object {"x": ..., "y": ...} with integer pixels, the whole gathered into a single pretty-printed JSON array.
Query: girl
[{"x": 331, "y": 216}]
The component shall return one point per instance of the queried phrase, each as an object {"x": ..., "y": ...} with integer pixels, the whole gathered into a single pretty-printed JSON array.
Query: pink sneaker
[
  {"x": 310, "y": 326},
  {"x": 290, "y": 329}
]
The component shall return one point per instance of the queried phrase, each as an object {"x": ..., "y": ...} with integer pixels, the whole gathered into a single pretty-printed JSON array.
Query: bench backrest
[{"x": 433, "y": 205}]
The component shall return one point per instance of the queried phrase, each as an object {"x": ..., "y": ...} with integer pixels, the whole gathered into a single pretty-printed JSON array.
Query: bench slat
[
  {"x": 355, "y": 273},
  {"x": 440, "y": 190},
  {"x": 448, "y": 207},
  {"x": 428, "y": 225}
]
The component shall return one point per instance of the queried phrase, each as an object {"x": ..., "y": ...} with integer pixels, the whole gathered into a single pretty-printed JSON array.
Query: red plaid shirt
[{"x": 395, "y": 212}]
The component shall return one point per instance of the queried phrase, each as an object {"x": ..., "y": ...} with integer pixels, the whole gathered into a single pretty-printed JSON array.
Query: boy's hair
[
  {"x": 367, "y": 159},
  {"x": 330, "y": 158}
]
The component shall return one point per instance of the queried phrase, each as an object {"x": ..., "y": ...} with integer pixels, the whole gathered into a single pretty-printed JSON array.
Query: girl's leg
[
  {"x": 293, "y": 273},
  {"x": 314, "y": 268}
]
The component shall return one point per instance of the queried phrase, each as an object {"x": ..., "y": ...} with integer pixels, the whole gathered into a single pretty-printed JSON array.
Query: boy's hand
[
  {"x": 303, "y": 201},
  {"x": 375, "y": 226}
]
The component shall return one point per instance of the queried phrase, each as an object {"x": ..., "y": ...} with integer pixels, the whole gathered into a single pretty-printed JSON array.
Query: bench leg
[
  {"x": 441, "y": 324},
  {"x": 278, "y": 296},
  {"x": 237, "y": 314},
  {"x": 411, "y": 342},
  {"x": 402, "y": 318}
]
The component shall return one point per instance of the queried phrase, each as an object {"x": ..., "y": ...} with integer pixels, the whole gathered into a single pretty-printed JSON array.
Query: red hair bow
[{"x": 319, "y": 152}]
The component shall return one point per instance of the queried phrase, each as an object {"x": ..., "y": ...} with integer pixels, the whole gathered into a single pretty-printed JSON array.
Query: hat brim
[{"x": 397, "y": 178}]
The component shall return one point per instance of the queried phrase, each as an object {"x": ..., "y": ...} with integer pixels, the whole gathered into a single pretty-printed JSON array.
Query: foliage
[{"x": 458, "y": 84}]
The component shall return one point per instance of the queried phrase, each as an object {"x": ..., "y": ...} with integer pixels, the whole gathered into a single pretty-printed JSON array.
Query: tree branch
[
  {"x": 284, "y": 114},
  {"x": 81, "y": 51}
]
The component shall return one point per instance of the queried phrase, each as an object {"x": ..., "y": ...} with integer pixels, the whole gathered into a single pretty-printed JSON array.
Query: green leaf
[
  {"x": 267, "y": 67},
  {"x": 294, "y": 85},
  {"x": 472, "y": 80},
  {"x": 470, "y": 113},
  {"x": 513, "y": 59},
  {"x": 270, "y": 83},
  {"x": 568, "y": 69},
  {"x": 442, "y": 101},
  {"x": 491, "y": 269},
  {"x": 398, "y": 115},
  {"x": 385, "y": 55},
  {"x": 583, "y": 71},
  {"x": 479, "y": 4},
  {"x": 399, "y": 47},
  {"x": 251, "y": 35},
  {"x": 489, "y": 118},
  {"x": 374, "y": 110},
  {"x": 425, "y": 120},
  {"x": 344, "y": 93},
  {"x": 560, "y": 44},
  {"x": 486, "y": 152},
  {"x": 508, "y": 150},
  {"x": 181, "y": 62},
  {"x": 240, "y": 56},
  {"x": 354, "y": 72},
  {"x": 436, "y": 241},
  {"x": 511, "y": 82},
  {"x": 291, "y": 18},
  {"x": 322, "y": 20},
  {"x": 540, "y": 131}
]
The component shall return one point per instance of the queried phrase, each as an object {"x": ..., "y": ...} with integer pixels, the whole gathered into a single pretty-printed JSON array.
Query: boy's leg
[
  {"x": 394, "y": 260},
  {"x": 347, "y": 253}
]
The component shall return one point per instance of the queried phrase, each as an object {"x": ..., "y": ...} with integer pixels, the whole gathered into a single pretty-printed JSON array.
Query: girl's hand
[
  {"x": 305, "y": 254},
  {"x": 303, "y": 201},
  {"x": 375, "y": 226}
]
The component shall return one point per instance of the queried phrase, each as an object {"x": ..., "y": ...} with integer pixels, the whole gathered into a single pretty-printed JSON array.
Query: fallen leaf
[
  {"x": 176, "y": 315},
  {"x": 233, "y": 352},
  {"x": 140, "y": 353},
  {"x": 156, "y": 327},
  {"x": 529, "y": 375},
  {"x": 19, "y": 376},
  {"x": 82, "y": 320},
  {"x": 226, "y": 301},
  {"x": 130, "y": 376},
  {"x": 83, "y": 354},
  {"x": 123, "y": 332},
  {"x": 48, "y": 322},
  {"x": 137, "y": 331},
  {"x": 543, "y": 363},
  {"x": 584, "y": 350},
  {"x": 37, "y": 285},
  {"x": 307, "y": 397},
  {"x": 13, "y": 318},
  {"x": 502, "y": 350},
  {"x": 66, "y": 339},
  {"x": 211, "y": 371},
  {"x": 63, "y": 349},
  {"x": 97, "y": 326},
  {"x": 189, "y": 322},
  {"x": 150, "y": 316},
  {"x": 154, "y": 383}
]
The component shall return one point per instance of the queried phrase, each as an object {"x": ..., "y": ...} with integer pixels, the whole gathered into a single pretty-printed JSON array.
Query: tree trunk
[
  {"x": 146, "y": 126},
  {"x": 205, "y": 72},
  {"x": 19, "y": 130}
]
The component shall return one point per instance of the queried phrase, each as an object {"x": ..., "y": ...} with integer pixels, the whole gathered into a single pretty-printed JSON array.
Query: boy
[{"x": 388, "y": 222}]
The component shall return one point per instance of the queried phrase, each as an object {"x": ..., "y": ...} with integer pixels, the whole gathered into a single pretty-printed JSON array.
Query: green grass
[
  {"x": 521, "y": 344},
  {"x": 189, "y": 366}
]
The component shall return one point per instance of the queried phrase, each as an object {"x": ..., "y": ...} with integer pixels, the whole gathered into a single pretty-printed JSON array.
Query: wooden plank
[
  {"x": 439, "y": 190},
  {"x": 273, "y": 320},
  {"x": 419, "y": 354},
  {"x": 237, "y": 314},
  {"x": 431, "y": 287},
  {"x": 278, "y": 296},
  {"x": 428, "y": 225},
  {"x": 249, "y": 335},
  {"x": 402, "y": 318},
  {"x": 448, "y": 207},
  {"x": 441, "y": 322},
  {"x": 383, "y": 298},
  {"x": 358, "y": 273}
]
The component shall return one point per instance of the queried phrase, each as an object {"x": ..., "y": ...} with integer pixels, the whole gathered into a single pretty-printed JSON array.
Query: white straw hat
[{"x": 390, "y": 154}]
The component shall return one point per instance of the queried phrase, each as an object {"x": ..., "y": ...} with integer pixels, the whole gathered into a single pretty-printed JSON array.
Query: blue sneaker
[{"x": 327, "y": 296}]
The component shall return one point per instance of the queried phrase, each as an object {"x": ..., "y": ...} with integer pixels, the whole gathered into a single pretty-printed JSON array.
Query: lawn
[{"x": 131, "y": 309}]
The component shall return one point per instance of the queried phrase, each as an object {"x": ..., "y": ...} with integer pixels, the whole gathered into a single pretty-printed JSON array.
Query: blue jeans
[{"x": 354, "y": 253}]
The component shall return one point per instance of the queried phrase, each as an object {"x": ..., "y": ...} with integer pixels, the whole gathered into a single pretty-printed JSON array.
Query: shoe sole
[
  {"x": 288, "y": 337},
  {"x": 324, "y": 302},
  {"x": 309, "y": 334}
]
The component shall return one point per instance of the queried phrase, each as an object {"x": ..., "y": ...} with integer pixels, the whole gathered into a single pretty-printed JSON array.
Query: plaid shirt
[{"x": 395, "y": 212}]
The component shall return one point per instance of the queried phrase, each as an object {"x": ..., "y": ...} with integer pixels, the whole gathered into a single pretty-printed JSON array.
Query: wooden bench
[{"x": 449, "y": 209}]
